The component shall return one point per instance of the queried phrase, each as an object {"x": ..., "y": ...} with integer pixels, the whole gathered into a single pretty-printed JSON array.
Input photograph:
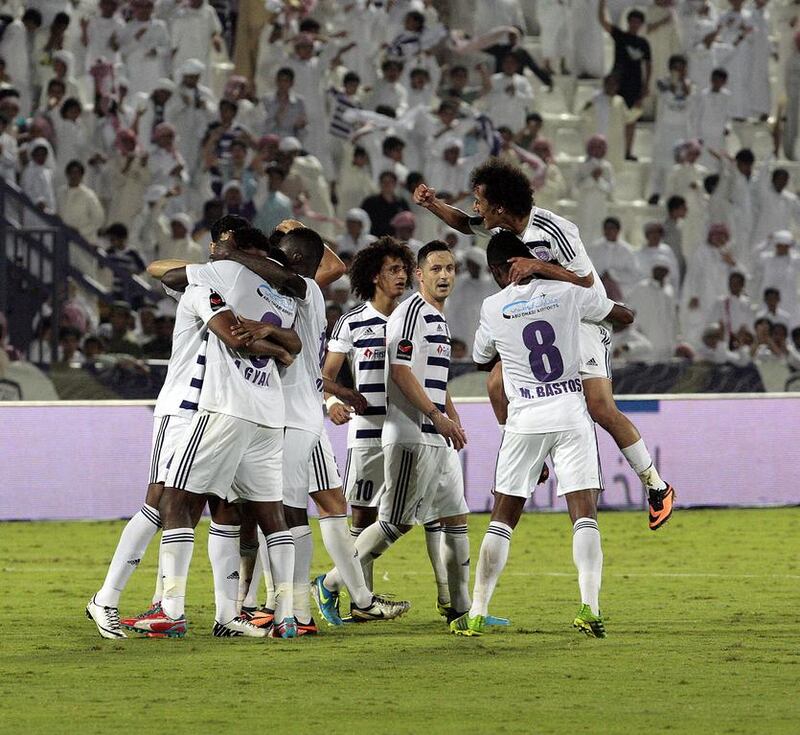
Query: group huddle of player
[{"x": 238, "y": 424}]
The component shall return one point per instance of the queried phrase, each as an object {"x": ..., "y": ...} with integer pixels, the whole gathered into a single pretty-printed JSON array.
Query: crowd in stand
[{"x": 128, "y": 122}]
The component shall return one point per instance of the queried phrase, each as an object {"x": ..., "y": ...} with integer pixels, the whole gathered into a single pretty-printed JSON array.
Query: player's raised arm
[
  {"x": 522, "y": 268},
  {"x": 158, "y": 268},
  {"x": 426, "y": 197},
  {"x": 330, "y": 269}
]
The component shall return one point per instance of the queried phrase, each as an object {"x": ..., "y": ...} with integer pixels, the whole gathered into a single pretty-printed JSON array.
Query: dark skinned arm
[
  {"x": 273, "y": 273},
  {"x": 525, "y": 267},
  {"x": 487, "y": 367},
  {"x": 426, "y": 197},
  {"x": 620, "y": 315},
  {"x": 221, "y": 325},
  {"x": 330, "y": 269},
  {"x": 252, "y": 331}
]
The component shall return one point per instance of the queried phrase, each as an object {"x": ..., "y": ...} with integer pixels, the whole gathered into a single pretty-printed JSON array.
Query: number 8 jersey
[{"x": 535, "y": 329}]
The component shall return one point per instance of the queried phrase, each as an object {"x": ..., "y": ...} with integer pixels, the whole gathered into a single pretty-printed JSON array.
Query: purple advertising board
[{"x": 90, "y": 461}]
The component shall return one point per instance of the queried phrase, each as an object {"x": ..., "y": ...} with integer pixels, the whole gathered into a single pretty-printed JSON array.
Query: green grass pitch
[{"x": 702, "y": 638}]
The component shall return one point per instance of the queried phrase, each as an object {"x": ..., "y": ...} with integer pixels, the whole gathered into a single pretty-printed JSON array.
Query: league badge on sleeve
[
  {"x": 216, "y": 301},
  {"x": 405, "y": 350}
]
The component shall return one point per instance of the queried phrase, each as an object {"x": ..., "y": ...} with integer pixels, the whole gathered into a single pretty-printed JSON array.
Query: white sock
[
  {"x": 266, "y": 568},
  {"x": 642, "y": 464},
  {"x": 223, "y": 552},
  {"x": 588, "y": 558},
  {"x": 491, "y": 562},
  {"x": 433, "y": 542},
  {"x": 371, "y": 543},
  {"x": 248, "y": 555},
  {"x": 177, "y": 546},
  {"x": 355, "y": 532},
  {"x": 132, "y": 544},
  {"x": 251, "y": 596},
  {"x": 455, "y": 550},
  {"x": 340, "y": 547},
  {"x": 280, "y": 550},
  {"x": 158, "y": 592},
  {"x": 303, "y": 551}
]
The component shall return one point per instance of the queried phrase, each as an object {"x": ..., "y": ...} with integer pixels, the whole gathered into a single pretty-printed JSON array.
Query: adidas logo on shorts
[
  {"x": 235, "y": 575},
  {"x": 591, "y": 361},
  {"x": 134, "y": 562}
]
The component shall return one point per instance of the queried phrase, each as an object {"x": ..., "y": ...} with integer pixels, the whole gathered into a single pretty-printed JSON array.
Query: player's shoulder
[
  {"x": 548, "y": 218},
  {"x": 563, "y": 232}
]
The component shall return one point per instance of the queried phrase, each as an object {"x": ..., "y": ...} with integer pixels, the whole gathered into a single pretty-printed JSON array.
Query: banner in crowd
[{"x": 91, "y": 461}]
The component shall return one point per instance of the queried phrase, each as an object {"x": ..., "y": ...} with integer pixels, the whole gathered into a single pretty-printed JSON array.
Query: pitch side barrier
[{"x": 89, "y": 460}]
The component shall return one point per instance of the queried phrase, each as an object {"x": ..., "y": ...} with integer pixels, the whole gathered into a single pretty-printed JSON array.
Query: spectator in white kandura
[
  {"x": 150, "y": 225},
  {"x": 607, "y": 114},
  {"x": 285, "y": 111},
  {"x": 96, "y": 32},
  {"x": 771, "y": 308},
  {"x": 145, "y": 46},
  {"x": 674, "y": 115},
  {"x": 713, "y": 348},
  {"x": 712, "y": 117},
  {"x": 356, "y": 235},
  {"x": 473, "y": 284},
  {"x": 655, "y": 249},
  {"x": 165, "y": 163},
  {"x": 272, "y": 205},
  {"x": 449, "y": 172},
  {"x": 195, "y": 31},
  {"x": 706, "y": 280},
  {"x": 759, "y": 87},
  {"x": 78, "y": 205},
  {"x": 391, "y": 159},
  {"x": 403, "y": 225},
  {"x": 780, "y": 269},
  {"x": 9, "y": 153},
  {"x": 388, "y": 91},
  {"x": 614, "y": 259},
  {"x": 594, "y": 188},
  {"x": 355, "y": 181},
  {"x": 123, "y": 180},
  {"x": 37, "y": 177},
  {"x": 63, "y": 70},
  {"x": 735, "y": 311},
  {"x": 630, "y": 345},
  {"x": 72, "y": 139},
  {"x": 685, "y": 179},
  {"x": 774, "y": 206},
  {"x": 656, "y": 307},
  {"x": 152, "y": 109},
  {"x": 178, "y": 244},
  {"x": 549, "y": 184},
  {"x": 508, "y": 95},
  {"x": 421, "y": 91}
]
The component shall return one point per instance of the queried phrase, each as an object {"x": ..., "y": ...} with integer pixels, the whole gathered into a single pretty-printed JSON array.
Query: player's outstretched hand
[
  {"x": 453, "y": 434},
  {"x": 353, "y": 398},
  {"x": 424, "y": 195},
  {"x": 340, "y": 413},
  {"x": 522, "y": 268},
  {"x": 250, "y": 330}
]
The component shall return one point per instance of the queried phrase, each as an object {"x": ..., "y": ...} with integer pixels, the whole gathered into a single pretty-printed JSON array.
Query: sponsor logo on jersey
[
  {"x": 405, "y": 349},
  {"x": 215, "y": 301},
  {"x": 538, "y": 303},
  {"x": 268, "y": 293},
  {"x": 540, "y": 249}
]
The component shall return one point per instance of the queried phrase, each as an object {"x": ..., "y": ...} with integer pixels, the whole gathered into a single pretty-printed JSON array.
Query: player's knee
[
  {"x": 295, "y": 516},
  {"x": 331, "y": 502},
  {"x": 460, "y": 520},
  {"x": 154, "y": 493}
]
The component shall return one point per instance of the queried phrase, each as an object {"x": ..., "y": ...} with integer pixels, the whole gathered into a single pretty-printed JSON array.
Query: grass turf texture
[{"x": 700, "y": 618}]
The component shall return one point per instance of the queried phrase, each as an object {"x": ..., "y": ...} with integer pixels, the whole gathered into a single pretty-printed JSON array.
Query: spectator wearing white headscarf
[
  {"x": 195, "y": 31},
  {"x": 356, "y": 236}
]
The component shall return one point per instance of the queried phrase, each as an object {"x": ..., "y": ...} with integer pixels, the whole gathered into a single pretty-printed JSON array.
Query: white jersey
[
  {"x": 180, "y": 394},
  {"x": 245, "y": 387},
  {"x": 302, "y": 380},
  {"x": 553, "y": 239},
  {"x": 361, "y": 335},
  {"x": 418, "y": 337},
  {"x": 535, "y": 330}
]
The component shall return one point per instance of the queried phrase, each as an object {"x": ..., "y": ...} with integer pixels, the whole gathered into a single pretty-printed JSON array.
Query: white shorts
[
  {"x": 595, "y": 343},
  {"x": 423, "y": 483},
  {"x": 219, "y": 453},
  {"x": 575, "y": 456},
  {"x": 308, "y": 466},
  {"x": 363, "y": 476},
  {"x": 167, "y": 432}
]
